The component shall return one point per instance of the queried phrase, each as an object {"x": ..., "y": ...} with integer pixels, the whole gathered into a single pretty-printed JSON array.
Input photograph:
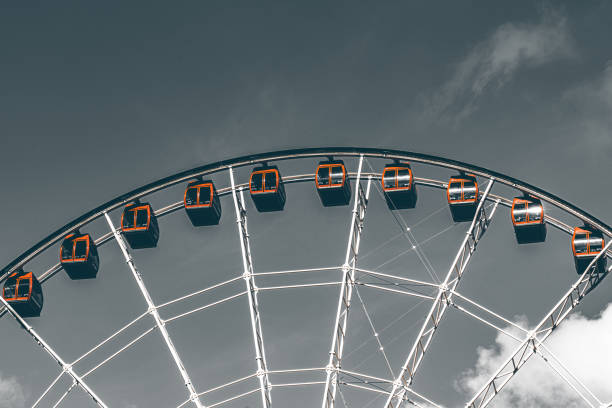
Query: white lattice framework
[{"x": 397, "y": 389}]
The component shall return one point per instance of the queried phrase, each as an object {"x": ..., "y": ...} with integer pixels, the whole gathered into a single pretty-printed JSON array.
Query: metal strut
[
  {"x": 473, "y": 235},
  {"x": 587, "y": 282},
  {"x": 247, "y": 262},
  {"x": 152, "y": 310},
  {"x": 346, "y": 289},
  {"x": 66, "y": 368}
]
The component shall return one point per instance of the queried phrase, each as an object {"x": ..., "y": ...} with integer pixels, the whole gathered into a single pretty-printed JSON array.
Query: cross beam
[
  {"x": 67, "y": 368},
  {"x": 473, "y": 235},
  {"x": 152, "y": 310},
  {"x": 508, "y": 369}
]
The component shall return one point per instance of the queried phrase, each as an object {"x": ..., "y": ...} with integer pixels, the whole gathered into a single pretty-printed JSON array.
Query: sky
[{"x": 98, "y": 99}]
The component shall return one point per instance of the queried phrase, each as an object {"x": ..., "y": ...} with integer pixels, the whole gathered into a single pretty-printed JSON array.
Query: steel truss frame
[
  {"x": 360, "y": 204},
  {"x": 473, "y": 235},
  {"x": 152, "y": 310},
  {"x": 529, "y": 346},
  {"x": 544, "y": 352},
  {"x": 247, "y": 262},
  {"x": 66, "y": 368},
  {"x": 532, "y": 344}
]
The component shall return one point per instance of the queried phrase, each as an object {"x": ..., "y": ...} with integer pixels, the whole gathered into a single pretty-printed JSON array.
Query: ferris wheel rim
[
  {"x": 229, "y": 165},
  {"x": 292, "y": 154}
]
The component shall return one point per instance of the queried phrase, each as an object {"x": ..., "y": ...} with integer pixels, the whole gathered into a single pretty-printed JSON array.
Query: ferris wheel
[{"x": 361, "y": 285}]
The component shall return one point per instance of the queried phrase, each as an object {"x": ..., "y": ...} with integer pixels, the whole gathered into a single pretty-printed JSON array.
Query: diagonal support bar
[
  {"x": 473, "y": 235},
  {"x": 67, "y": 368},
  {"x": 583, "y": 286},
  {"x": 247, "y": 262},
  {"x": 360, "y": 204},
  {"x": 193, "y": 395}
]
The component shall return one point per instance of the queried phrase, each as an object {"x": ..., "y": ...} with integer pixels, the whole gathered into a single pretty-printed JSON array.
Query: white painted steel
[
  {"x": 47, "y": 389},
  {"x": 534, "y": 338},
  {"x": 360, "y": 203},
  {"x": 152, "y": 309},
  {"x": 473, "y": 235},
  {"x": 67, "y": 368},
  {"x": 508, "y": 369},
  {"x": 247, "y": 263}
]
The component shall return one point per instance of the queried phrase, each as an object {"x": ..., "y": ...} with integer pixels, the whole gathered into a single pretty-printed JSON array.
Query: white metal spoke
[
  {"x": 336, "y": 379},
  {"x": 483, "y": 320},
  {"x": 407, "y": 232},
  {"x": 242, "y": 379},
  {"x": 558, "y": 361},
  {"x": 539, "y": 351},
  {"x": 300, "y": 285},
  {"x": 566, "y": 380},
  {"x": 64, "y": 395},
  {"x": 297, "y": 384},
  {"x": 121, "y": 350},
  {"x": 406, "y": 399},
  {"x": 152, "y": 310},
  {"x": 587, "y": 281},
  {"x": 473, "y": 235},
  {"x": 109, "y": 338},
  {"x": 197, "y": 309},
  {"x": 48, "y": 389},
  {"x": 293, "y": 271},
  {"x": 247, "y": 262},
  {"x": 342, "y": 398},
  {"x": 489, "y": 311},
  {"x": 384, "y": 329},
  {"x": 360, "y": 204},
  {"x": 235, "y": 397},
  {"x": 400, "y": 278},
  {"x": 198, "y": 292},
  {"x": 67, "y": 368},
  {"x": 374, "y": 332},
  {"x": 403, "y": 292}
]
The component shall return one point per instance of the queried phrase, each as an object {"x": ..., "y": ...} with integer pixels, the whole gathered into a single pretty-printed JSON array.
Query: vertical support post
[
  {"x": 346, "y": 289},
  {"x": 473, "y": 235},
  {"x": 152, "y": 309},
  {"x": 247, "y": 263},
  {"x": 67, "y": 368}
]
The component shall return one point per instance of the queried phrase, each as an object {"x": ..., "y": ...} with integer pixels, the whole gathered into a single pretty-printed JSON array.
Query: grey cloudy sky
[{"x": 100, "y": 98}]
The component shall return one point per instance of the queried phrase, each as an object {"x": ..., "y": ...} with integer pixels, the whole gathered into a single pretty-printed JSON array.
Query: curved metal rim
[{"x": 242, "y": 161}]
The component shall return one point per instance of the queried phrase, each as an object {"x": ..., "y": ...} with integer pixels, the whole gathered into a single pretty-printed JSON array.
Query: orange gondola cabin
[
  {"x": 587, "y": 242},
  {"x": 398, "y": 185},
  {"x": 462, "y": 195},
  {"x": 24, "y": 293},
  {"x": 79, "y": 256},
  {"x": 528, "y": 219},
  {"x": 139, "y": 225},
  {"x": 202, "y": 203},
  {"x": 267, "y": 189},
  {"x": 333, "y": 184}
]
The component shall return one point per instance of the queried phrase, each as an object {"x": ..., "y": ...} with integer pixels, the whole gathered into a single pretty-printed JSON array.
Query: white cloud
[
  {"x": 493, "y": 62},
  {"x": 11, "y": 393},
  {"x": 582, "y": 344}
]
